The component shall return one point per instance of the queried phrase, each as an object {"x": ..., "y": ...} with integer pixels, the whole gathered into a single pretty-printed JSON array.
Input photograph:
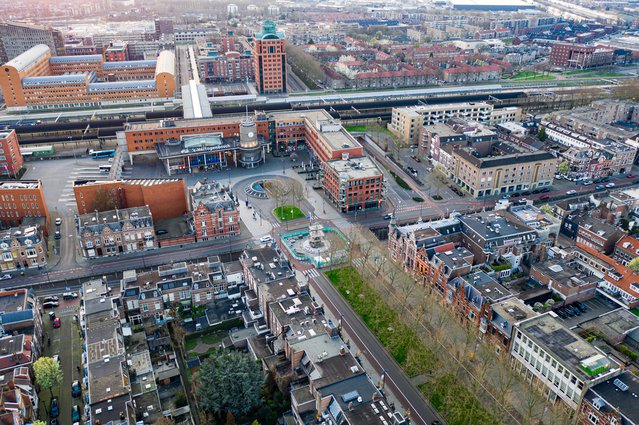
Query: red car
[
  {"x": 57, "y": 322},
  {"x": 631, "y": 176}
]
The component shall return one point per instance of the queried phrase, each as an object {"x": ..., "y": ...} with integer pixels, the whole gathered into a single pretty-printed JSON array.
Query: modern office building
[
  {"x": 407, "y": 122},
  {"x": 580, "y": 56},
  {"x": 558, "y": 360},
  {"x": 163, "y": 26},
  {"x": 269, "y": 60},
  {"x": 20, "y": 199},
  {"x": 10, "y": 157},
  {"x": 16, "y": 38},
  {"x": 35, "y": 80}
]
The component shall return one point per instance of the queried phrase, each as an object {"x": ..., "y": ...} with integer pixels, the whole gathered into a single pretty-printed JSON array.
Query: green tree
[
  {"x": 229, "y": 381},
  {"x": 541, "y": 134},
  {"x": 38, "y": 422},
  {"x": 634, "y": 264},
  {"x": 47, "y": 373},
  {"x": 546, "y": 208},
  {"x": 564, "y": 167}
]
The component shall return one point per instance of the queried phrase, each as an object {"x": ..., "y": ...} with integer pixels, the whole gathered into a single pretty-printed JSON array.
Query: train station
[{"x": 212, "y": 151}]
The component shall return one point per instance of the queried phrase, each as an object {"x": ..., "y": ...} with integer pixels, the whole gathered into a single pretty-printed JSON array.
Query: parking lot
[
  {"x": 59, "y": 175},
  {"x": 66, "y": 342},
  {"x": 595, "y": 306}
]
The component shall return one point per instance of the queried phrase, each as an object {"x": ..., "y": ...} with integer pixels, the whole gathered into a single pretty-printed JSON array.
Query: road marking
[{"x": 312, "y": 273}]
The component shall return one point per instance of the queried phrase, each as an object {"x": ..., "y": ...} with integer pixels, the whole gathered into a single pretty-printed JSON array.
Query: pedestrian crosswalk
[
  {"x": 358, "y": 262},
  {"x": 312, "y": 273}
]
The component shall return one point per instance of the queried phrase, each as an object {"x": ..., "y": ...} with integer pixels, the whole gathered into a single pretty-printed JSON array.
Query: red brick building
[
  {"x": 214, "y": 213},
  {"x": 580, "y": 56},
  {"x": 166, "y": 198},
  {"x": 118, "y": 51},
  {"x": 269, "y": 60},
  {"x": 21, "y": 199},
  {"x": 10, "y": 156}
]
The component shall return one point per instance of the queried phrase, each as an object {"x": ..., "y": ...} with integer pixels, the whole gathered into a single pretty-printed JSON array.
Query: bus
[
  {"x": 37, "y": 151},
  {"x": 108, "y": 153},
  {"x": 105, "y": 168}
]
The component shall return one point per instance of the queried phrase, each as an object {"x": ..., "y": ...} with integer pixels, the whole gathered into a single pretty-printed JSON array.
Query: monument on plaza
[{"x": 316, "y": 238}]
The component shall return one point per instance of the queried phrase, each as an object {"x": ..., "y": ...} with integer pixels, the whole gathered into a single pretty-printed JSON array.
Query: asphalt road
[
  {"x": 421, "y": 411},
  {"x": 104, "y": 266}
]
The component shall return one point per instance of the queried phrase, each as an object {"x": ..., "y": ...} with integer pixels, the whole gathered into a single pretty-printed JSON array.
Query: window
[{"x": 593, "y": 418}]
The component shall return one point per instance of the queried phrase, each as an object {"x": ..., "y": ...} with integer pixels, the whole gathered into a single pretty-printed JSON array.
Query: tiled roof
[{"x": 628, "y": 279}]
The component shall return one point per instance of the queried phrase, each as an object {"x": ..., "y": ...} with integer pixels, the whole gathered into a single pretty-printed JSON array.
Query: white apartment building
[
  {"x": 558, "y": 360},
  {"x": 406, "y": 122}
]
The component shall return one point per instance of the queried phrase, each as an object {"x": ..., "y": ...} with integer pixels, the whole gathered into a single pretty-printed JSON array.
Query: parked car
[
  {"x": 161, "y": 232},
  {"x": 545, "y": 190},
  {"x": 75, "y": 413},
  {"x": 58, "y": 221},
  {"x": 574, "y": 310},
  {"x": 610, "y": 185},
  {"x": 76, "y": 390},
  {"x": 52, "y": 315},
  {"x": 516, "y": 195},
  {"x": 571, "y": 192},
  {"x": 50, "y": 304},
  {"x": 526, "y": 193},
  {"x": 568, "y": 312},
  {"x": 53, "y": 421},
  {"x": 635, "y": 181},
  {"x": 600, "y": 187},
  {"x": 56, "y": 357},
  {"x": 630, "y": 176},
  {"x": 587, "y": 182},
  {"x": 536, "y": 191},
  {"x": 57, "y": 323},
  {"x": 544, "y": 197},
  {"x": 5, "y": 277},
  {"x": 558, "y": 177},
  {"x": 581, "y": 307},
  {"x": 561, "y": 314},
  {"x": 55, "y": 408},
  {"x": 57, "y": 234},
  {"x": 505, "y": 196},
  {"x": 388, "y": 216},
  {"x": 266, "y": 239},
  {"x": 50, "y": 298},
  {"x": 69, "y": 295}
]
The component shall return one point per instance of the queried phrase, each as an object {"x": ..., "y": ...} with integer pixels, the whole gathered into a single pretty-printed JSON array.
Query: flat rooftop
[
  {"x": 574, "y": 352},
  {"x": 22, "y": 184},
  {"x": 490, "y": 225},
  {"x": 12, "y": 301},
  {"x": 565, "y": 273},
  {"x": 615, "y": 398},
  {"x": 508, "y": 312},
  {"x": 355, "y": 168}
]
